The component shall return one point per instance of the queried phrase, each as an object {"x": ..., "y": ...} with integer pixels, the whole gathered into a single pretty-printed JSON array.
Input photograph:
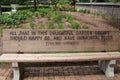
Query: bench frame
[
  {"x": 106, "y": 66},
  {"x": 105, "y": 63}
]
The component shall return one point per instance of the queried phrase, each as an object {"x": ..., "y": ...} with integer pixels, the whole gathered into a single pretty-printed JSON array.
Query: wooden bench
[{"x": 17, "y": 42}]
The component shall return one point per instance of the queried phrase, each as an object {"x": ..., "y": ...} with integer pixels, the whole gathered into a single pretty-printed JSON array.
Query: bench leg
[
  {"x": 107, "y": 67},
  {"x": 17, "y": 71}
]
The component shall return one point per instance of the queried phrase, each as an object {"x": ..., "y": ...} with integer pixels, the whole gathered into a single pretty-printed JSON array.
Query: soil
[{"x": 94, "y": 22}]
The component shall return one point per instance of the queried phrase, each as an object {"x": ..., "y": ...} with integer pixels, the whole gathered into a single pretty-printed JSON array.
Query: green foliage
[
  {"x": 6, "y": 8},
  {"x": 24, "y": 7},
  {"x": 61, "y": 26},
  {"x": 1, "y": 30},
  {"x": 14, "y": 19},
  {"x": 24, "y": 27},
  {"x": 49, "y": 15},
  {"x": 8, "y": 2},
  {"x": 31, "y": 7},
  {"x": 86, "y": 27},
  {"x": 63, "y": 5},
  {"x": 29, "y": 14},
  {"x": 31, "y": 24},
  {"x": 5, "y": 2},
  {"x": 68, "y": 17},
  {"x": 75, "y": 25},
  {"x": 100, "y": 0},
  {"x": 96, "y": 14},
  {"x": 36, "y": 14},
  {"x": 43, "y": 12},
  {"x": 41, "y": 26},
  {"x": 84, "y": 0},
  {"x": 51, "y": 25},
  {"x": 4, "y": 64},
  {"x": 86, "y": 11},
  {"x": 57, "y": 17}
]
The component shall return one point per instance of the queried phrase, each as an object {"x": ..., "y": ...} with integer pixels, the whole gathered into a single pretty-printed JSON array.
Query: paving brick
[{"x": 74, "y": 72}]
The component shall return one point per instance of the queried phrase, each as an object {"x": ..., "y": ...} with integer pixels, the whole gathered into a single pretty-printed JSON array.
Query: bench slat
[
  {"x": 59, "y": 57},
  {"x": 78, "y": 40}
]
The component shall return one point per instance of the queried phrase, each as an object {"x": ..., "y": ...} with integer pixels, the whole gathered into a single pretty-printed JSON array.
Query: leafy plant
[
  {"x": 69, "y": 17},
  {"x": 75, "y": 25},
  {"x": 86, "y": 27},
  {"x": 96, "y": 14},
  {"x": 31, "y": 24},
  {"x": 6, "y": 8},
  {"x": 49, "y": 16},
  {"x": 51, "y": 25},
  {"x": 29, "y": 14},
  {"x": 43, "y": 12},
  {"x": 57, "y": 17},
  {"x": 24, "y": 27},
  {"x": 36, "y": 14},
  {"x": 60, "y": 26},
  {"x": 41, "y": 26},
  {"x": 1, "y": 30},
  {"x": 13, "y": 19}
]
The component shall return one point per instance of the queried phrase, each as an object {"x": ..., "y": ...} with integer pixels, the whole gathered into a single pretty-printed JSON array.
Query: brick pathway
[{"x": 71, "y": 71}]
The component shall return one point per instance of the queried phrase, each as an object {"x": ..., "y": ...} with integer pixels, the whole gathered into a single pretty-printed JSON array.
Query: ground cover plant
[
  {"x": 43, "y": 19},
  {"x": 57, "y": 16}
]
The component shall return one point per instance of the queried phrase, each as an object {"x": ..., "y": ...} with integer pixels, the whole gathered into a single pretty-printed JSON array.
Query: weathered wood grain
[
  {"x": 59, "y": 57},
  {"x": 67, "y": 40}
]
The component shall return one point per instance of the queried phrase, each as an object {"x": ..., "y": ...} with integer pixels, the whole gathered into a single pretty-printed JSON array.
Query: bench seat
[
  {"x": 66, "y": 57},
  {"x": 106, "y": 60}
]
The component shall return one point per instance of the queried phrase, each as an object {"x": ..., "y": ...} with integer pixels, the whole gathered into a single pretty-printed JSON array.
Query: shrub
[
  {"x": 24, "y": 7},
  {"x": 6, "y": 8},
  {"x": 30, "y": 7},
  {"x": 14, "y": 19}
]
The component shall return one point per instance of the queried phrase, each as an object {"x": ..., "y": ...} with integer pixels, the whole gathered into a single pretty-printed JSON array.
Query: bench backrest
[{"x": 28, "y": 40}]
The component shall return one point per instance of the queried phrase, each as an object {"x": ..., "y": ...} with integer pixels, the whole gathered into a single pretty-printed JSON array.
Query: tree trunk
[
  {"x": 0, "y": 9},
  {"x": 74, "y": 5},
  {"x": 35, "y": 5}
]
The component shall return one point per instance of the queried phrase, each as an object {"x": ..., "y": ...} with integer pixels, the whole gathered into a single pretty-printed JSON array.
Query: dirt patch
[{"x": 90, "y": 20}]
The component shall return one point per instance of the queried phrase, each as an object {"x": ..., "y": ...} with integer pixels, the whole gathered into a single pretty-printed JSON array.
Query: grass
[{"x": 4, "y": 63}]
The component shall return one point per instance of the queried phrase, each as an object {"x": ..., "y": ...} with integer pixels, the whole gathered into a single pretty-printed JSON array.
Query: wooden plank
[
  {"x": 28, "y": 40},
  {"x": 59, "y": 57},
  {"x": 8, "y": 57}
]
